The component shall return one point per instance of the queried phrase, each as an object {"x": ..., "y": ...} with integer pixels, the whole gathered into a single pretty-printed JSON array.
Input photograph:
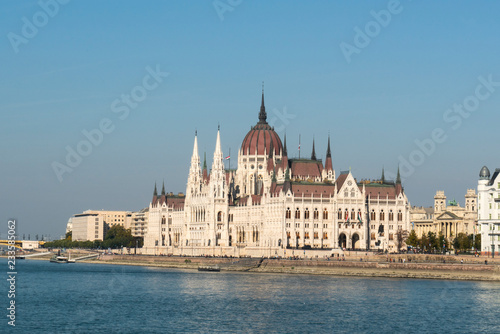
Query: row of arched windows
[
  {"x": 288, "y": 213},
  {"x": 381, "y": 215}
]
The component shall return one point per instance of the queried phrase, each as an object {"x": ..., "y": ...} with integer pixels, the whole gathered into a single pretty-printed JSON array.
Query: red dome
[{"x": 259, "y": 139}]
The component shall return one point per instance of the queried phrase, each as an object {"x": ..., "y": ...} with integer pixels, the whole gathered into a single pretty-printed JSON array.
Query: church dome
[
  {"x": 484, "y": 173},
  {"x": 262, "y": 137}
]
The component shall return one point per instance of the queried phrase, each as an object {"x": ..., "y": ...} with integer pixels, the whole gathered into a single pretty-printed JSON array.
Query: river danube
[{"x": 93, "y": 298}]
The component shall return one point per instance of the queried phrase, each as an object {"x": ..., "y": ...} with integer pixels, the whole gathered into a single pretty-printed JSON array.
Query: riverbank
[{"x": 420, "y": 267}]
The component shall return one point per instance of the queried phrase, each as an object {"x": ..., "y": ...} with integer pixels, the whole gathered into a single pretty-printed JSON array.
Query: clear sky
[{"x": 378, "y": 84}]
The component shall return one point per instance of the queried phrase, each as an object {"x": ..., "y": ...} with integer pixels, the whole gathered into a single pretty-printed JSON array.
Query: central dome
[{"x": 262, "y": 137}]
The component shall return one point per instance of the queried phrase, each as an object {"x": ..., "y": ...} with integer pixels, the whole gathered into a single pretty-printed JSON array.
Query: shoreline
[
  {"x": 423, "y": 270},
  {"x": 421, "y": 267}
]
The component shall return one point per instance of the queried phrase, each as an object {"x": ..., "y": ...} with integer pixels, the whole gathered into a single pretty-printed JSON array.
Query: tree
[
  {"x": 401, "y": 237},
  {"x": 477, "y": 242},
  {"x": 433, "y": 240},
  {"x": 117, "y": 237},
  {"x": 412, "y": 239},
  {"x": 69, "y": 235}
]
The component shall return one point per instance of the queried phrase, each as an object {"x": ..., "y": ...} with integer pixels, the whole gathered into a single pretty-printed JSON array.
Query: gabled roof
[
  {"x": 341, "y": 179},
  {"x": 447, "y": 215}
]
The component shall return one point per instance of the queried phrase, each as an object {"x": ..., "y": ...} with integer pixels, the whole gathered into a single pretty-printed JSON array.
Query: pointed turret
[
  {"x": 285, "y": 153},
  {"x": 399, "y": 187},
  {"x": 328, "y": 162},
  {"x": 313, "y": 154},
  {"x": 194, "y": 178},
  {"x": 155, "y": 196},
  {"x": 218, "y": 174},
  {"x": 205, "y": 170},
  {"x": 163, "y": 189},
  {"x": 383, "y": 176},
  {"x": 262, "y": 114}
]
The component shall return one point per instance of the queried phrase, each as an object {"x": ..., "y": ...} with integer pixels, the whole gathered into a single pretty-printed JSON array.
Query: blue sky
[{"x": 375, "y": 104}]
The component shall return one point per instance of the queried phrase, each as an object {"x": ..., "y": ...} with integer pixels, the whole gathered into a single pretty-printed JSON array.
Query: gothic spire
[
  {"x": 205, "y": 160},
  {"x": 163, "y": 189},
  {"x": 284, "y": 147},
  {"x": 262, "y": 114},
  {"x": 155, "y": 193},
  {"x": 313, "y": 154},
  {"x": 328, "y": 151},
  {"x": 383, "y": 176},
  {"x": 398, "y": 178}
]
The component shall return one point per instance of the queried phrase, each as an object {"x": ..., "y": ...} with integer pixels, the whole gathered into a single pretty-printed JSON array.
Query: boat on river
[
  {"x": 209, "y": 268},
  {"x": 59, "y": 259}
]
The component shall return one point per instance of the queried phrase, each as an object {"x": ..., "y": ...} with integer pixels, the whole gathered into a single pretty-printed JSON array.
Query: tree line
[
  {"x": 116, "y": 237},
  {"x": 437, "y": 243}
]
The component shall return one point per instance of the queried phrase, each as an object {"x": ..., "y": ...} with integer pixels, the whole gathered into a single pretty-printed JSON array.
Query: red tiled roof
[
  {"x": 340, "y": 181},
  {"x": 383, "y": 192},
  {"x": 306, "y": 168},
  {"x": 314, "y": 190}
]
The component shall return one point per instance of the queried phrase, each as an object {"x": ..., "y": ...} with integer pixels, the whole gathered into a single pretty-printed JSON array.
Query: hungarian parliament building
[{"x": 274, "y": 206}]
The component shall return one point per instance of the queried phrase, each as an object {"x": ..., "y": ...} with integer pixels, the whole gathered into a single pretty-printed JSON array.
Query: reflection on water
[{"x": 82, "y": 298}]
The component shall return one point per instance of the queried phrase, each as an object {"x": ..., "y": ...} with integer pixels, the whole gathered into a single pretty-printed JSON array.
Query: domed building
[{"x": 273, "y": 205}]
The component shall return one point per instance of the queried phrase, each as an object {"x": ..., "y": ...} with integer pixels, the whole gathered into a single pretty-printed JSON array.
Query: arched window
[
  {"x": 353, "y": 214},
  {"x": 288, "y": 213},
  {"x": 219, "y": 216},
  {"x": 297, "y": 213},
  {"x": 339, "y": 214},
  {"x": 400, "y": 216},
  {"x": 353, "y": 193},
  {"x": 325, "y": 213},
  {"x": 346, "y": 193},
  {"x": 346, "y": 214},
  {"x": 372, "y": 215},
  {"x": 316, "y": 213},
  {"x": 382, "y": 215},
  {"x": 306, "y": 214},
  {"x": 391, "y": 215}
]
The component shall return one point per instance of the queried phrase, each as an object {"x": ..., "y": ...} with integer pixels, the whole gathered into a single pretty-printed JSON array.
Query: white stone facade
[
  {"x": 488, "y": 190},
  {"x": 274, "y": 206}
]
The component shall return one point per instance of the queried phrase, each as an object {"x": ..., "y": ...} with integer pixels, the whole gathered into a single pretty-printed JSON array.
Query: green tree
[
  {"x": 69, "y": 235},
  {"x": 433, "y": 241},
  {"x": 412, "y": 239},
  {"x": 117, "y": 237}
]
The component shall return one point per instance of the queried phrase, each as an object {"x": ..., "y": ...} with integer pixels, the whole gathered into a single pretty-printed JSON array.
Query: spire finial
[
  {"x": 284, "y": 147},
  {"x": 262, "y": 114},
  {"x": 398, "y": 178},
  {"x": 313, "y": 154},
  {"x": 163, "y": 188},
  {"x": 328, "y": 151},
  {"x": 196, "y": 132},
  {"x": 205, "y": 160},
  {"x": 218, "y": 126},
  {"x": 383, "y": 175},
  {"x": 155, "y": 192}
]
